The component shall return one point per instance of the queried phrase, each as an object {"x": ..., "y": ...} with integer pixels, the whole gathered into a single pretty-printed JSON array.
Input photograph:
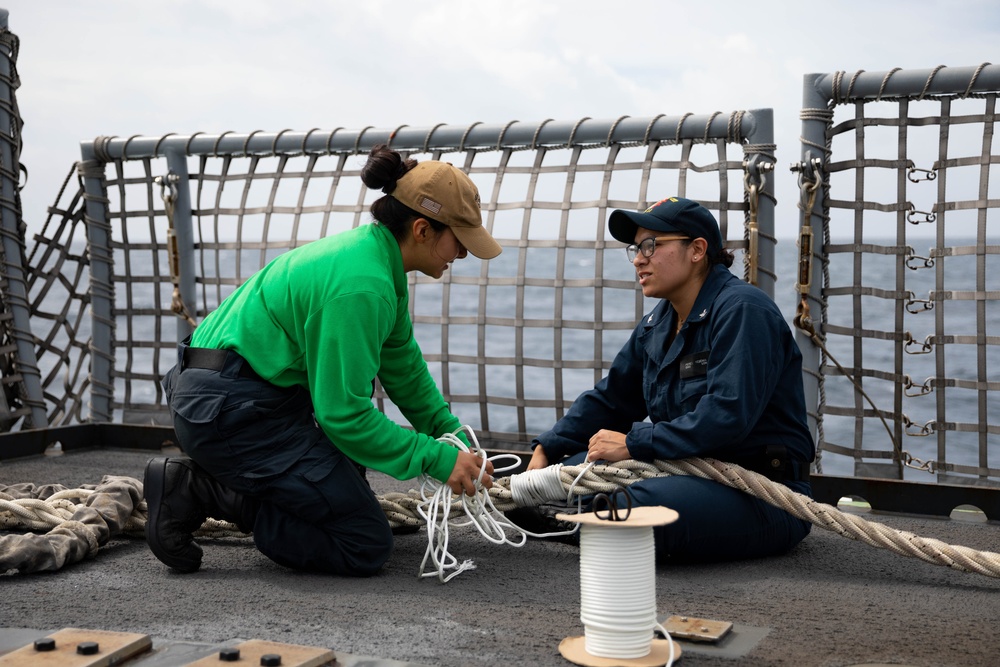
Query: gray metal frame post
[
  {"x": 102, "y": 294},
  {"x": 813, "y": 137},
  {"x": 184, "y": 235},
  {"x": 16, "y": 295}
]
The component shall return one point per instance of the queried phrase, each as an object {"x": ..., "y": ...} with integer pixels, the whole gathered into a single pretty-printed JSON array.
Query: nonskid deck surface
[
  {"x": 20, "y": 647},
  {"x": 830, "y": 602}
]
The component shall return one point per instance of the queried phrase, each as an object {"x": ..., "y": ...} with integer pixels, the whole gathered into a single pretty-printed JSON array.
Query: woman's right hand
[{"x": 538, "y": 459}]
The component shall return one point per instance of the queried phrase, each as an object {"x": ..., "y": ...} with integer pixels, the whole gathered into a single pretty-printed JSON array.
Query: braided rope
[
  {"x": 403, "y": 509},
  {"x": 36, "y": 514},
  {"x": 589, "y": 479}
]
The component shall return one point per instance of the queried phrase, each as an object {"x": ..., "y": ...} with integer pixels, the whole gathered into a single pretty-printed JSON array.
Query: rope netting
[
  {"x": 907, "y": 243},
  {"x": 18, "y": 367},
  {"x": 512, "y": 342}
]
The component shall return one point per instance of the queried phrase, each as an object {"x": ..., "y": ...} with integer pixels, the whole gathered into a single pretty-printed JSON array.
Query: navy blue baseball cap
[{"x": 674, "y": 214}]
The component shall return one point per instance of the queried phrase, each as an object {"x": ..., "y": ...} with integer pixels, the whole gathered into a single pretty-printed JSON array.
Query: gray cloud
[{"x": 123, "y": 68}]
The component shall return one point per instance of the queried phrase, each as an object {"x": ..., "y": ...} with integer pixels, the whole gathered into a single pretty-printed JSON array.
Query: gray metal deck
[{"x": 831, "y": 602}]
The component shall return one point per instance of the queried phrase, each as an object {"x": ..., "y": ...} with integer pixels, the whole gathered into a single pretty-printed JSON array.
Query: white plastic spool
[{"x": 618, "y": 592}]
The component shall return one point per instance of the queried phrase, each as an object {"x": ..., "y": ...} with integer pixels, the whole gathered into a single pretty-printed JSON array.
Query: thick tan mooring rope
[
  {"x": 89, "y": 516},
  {"x": 607, "y": 477},
  {"x": 70, "y": 525},
  {"x": 39, "y": 515}
]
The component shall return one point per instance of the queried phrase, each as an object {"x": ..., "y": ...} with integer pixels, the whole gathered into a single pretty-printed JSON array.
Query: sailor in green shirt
[{"x": 271, "y": 397}]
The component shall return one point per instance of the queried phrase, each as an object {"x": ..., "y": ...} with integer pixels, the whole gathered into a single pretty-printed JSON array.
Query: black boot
[
  {"x": 541, "y": 520},
  {"x": 179, "y": 497}
]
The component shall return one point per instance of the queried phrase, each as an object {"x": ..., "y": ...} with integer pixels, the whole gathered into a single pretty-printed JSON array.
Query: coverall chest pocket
[
  {"x": 693, "y": 379},
  {"x": 690, "y": 392}
]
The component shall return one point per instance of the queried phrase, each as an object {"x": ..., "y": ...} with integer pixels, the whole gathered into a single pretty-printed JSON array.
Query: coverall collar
[{"x": 654, "y": 336}]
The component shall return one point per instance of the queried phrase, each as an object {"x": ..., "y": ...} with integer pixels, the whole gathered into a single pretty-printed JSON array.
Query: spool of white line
[{"x": 618, "y": 591}]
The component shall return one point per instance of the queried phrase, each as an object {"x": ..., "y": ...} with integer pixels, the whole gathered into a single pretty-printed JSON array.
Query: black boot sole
[{"x": 153, "y": 491}]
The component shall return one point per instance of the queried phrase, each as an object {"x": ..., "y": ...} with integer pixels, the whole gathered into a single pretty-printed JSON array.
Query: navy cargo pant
[
  {"x": 715, "y": 522},
  {"x": 317, "y": 512}
]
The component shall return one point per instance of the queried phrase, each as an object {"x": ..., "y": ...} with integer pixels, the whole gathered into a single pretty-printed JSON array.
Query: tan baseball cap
[{"x": 446, "y": 194}]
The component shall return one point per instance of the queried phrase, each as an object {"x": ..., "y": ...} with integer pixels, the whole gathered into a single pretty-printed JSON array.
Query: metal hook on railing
[
  {"x": 925, "y": 347},
  {"x": 754, "y": 180},
  {"x": 755, "y": 171},
  {"x": 810, "y": 180},
  {"x": 914, "y": 174},
  {"x": 919, "y": 464},
  {"x": 928, "y": 262},
  {"x": 813, "y": 170},
  {"x": 916, "y": 306},
  {"x": 753, "y": 235},
  {"x": 920, "y": 217},
  {"x": 168, "y": 188},
  {"x": 168, "y": 192},
  {"x": 924, "y": 430},
  {"x": 923, "y": 390}
]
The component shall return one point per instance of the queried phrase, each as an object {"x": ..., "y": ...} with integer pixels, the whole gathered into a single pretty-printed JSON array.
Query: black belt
[{"x": 215, "y": 360}]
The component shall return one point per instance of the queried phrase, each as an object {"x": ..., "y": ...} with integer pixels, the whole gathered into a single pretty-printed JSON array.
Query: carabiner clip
[{"x": 611, "y": 506}]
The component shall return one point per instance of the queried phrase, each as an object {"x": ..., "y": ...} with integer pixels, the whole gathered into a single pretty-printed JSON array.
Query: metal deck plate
[
  {"x": 737, "y": 643},
  {"x": 109, "y": 648},
  {"x": 696, "y": 629},
  {"x": 289, "y": 655},
  {"x": 179, "y": 653}
]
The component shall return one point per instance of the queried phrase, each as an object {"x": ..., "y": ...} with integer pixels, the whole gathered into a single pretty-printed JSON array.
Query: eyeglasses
[{"x": 647, "y": 246}]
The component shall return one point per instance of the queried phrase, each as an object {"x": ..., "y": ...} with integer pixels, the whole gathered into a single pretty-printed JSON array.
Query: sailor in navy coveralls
[{"x": 713, "y": 371}]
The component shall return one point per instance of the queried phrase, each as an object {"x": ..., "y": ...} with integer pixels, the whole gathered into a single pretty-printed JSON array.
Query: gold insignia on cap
[{"x": 670, "y": 199}]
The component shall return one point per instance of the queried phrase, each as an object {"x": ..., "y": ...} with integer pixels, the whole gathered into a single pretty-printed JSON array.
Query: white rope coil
[
  {"x": 438, "y": 510},
  {"x": 535, "y": 487},
  {"x": 618, "y": 614}
]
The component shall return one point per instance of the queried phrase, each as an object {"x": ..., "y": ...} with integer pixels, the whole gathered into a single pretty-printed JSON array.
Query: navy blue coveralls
[
  {"x": 317, "y": 512},
  {"x": 728, "y": 386}
]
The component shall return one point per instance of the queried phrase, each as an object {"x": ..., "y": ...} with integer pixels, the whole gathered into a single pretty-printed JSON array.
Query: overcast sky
[{"x": 124, "y": 67}]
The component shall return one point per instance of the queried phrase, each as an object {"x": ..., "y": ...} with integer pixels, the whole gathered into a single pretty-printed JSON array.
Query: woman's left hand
[
  {"x": 468, "y": 467},
  {"x": 607, "y": 446},
  {"x": 538, "y": 459}
]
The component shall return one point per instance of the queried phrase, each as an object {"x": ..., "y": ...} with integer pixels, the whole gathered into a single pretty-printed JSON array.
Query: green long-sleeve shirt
[{"x": 330, "y": 316}]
